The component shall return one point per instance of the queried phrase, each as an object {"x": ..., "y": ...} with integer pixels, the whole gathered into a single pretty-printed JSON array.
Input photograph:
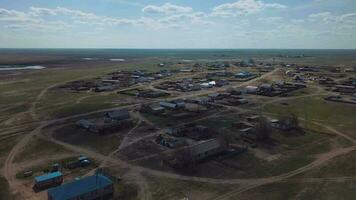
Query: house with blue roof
[
  {"x": 48, "y": 180},
  {"x": 89, "y": 188}
]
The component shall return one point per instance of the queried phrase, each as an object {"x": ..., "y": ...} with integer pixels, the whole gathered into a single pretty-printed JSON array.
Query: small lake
[{"x": 20, "y": 67}]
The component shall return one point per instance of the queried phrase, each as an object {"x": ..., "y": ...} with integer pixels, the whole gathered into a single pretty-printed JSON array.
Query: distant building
[
  {"x": 48, "y": 180},
  {"x": 251, "y": 89},
  {"x": 346, "y": 89},
  {"x": 244, "y": 74},
  {"x": 154, "y": 109},
  {"x": 104, "y": 88},
  {"x": 248, "y": 133},
  {"x": 89, "y": 188},
  {"x": 168, "y": 105},
  {"x": 179, "y": 102}
]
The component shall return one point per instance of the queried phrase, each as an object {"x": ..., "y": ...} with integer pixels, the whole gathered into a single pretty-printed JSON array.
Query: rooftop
[
  {"x": 48, "y": 176},
  {"x": 79, "y": 187}
]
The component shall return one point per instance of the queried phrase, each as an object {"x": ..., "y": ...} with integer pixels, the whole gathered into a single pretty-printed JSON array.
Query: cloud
[
  {"x": 270, "y": 19},
  {"x": 16, "y": 16},
  {"x": 323, "y": 16},
  {"x": 244, "y": 7},
  {"x": 166, "y": 8},
  {"x": 328, "y": 18}
]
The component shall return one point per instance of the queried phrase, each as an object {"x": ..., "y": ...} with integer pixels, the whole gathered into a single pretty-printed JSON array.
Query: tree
[
  {"x": 225, "y": 138},
  {"x": 263, "y": 129},
  {"x": 289, "y": 121}
]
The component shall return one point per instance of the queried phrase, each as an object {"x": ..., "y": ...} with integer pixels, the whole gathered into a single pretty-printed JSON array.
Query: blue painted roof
[
  {"x": 48, "y": 176},
  {"x": 79, "y": 187}
]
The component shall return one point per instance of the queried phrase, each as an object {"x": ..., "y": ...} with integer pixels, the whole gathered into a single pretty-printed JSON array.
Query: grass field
[
  {"x": 4, "y": 190},
  {"x": 170, "y": 189},
  {"x": 104, "y": 144},
  {"x": 41, "y": 147},
  {"x": 5, "y": 147},
  {"x": 302, "y": 191}
]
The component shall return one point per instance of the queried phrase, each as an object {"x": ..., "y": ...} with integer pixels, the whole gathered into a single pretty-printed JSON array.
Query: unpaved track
[
  {"x": 9, "y": 172},
  {"x": 249, "y": 183}
]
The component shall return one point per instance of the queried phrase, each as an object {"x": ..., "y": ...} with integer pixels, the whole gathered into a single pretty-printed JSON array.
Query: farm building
[
  {"x": 85, "y": 124},
  {"x": 89, "y": 188},
  {"x": 48, "y": 180},
  {"x": 205, "y": 149},
  {"x": 118, "y": 115},
  {"x": 168, "y": 105},
  {"x": 109, "y": 127}
]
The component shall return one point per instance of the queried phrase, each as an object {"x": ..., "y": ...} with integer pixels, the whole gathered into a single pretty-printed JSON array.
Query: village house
[
  {"x": 244, "y": 75},
  {"x": 85, "y": 124},
  {"x": 152, "y": 108},
  {"x": 275, "y": 123},
  {"x": 104, "y": 88},
  {"x": 251, "y": 89},
  {"x": 117, "y": 115}
]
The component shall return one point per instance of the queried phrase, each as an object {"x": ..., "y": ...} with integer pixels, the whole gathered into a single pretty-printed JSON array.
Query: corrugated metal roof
[
  {"x": 79, "y": 187},
  {"x": 48, "y": 176},
  {"x": 167, "y": 104},
  {"x": 119, "y": 114},
  {"x": 205, "y": 146}
]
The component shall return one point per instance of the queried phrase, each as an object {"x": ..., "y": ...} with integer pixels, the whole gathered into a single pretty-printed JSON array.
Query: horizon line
[{"x": 100, "y": 48}]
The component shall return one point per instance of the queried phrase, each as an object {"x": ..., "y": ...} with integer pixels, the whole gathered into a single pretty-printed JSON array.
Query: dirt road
[{"x": 138, "y": 170}]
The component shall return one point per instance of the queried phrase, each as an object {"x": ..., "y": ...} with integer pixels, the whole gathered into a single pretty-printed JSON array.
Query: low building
[
  {"x": 251, "y": 89},
  {"x": 104, "y": 88},
  {"x": 275, "y": 123},
  {"x": 265, "y": 87},
  {"x": 85, "y": 124},
  {"x": 89, "y": 188},
  {"x": 110, "y": 127},
  {"x": 346, "y": 89},
  {"x": 176, "y": 132},
  {"x": 154, "y": 109},
  {"x": 179, "y": 102},
  {"x": 248, "y": 133},
  {"x": 168, "y": 105},
  {"x": 205, "y": 149},
  {"x": 244, "y": 74},
  {"x": 48, "y": 180},
  {"x": 118, "y": 115}
]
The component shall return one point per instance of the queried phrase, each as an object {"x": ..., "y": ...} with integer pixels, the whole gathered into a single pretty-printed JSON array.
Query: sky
[{"x": 221, "y": 24}]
